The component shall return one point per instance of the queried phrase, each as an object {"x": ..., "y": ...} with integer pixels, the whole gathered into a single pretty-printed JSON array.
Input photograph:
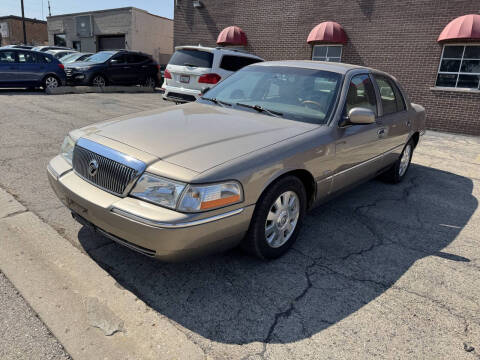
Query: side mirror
[
  {"x": 113, "y": 61},
  {"x": 361, "y": 116},
  {"x": 204, "y": 91}
]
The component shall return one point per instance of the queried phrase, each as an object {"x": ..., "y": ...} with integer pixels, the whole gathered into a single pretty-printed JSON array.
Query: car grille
[
  {"x": 68, "y": 72},
  {"x": 110, "y": 175}
]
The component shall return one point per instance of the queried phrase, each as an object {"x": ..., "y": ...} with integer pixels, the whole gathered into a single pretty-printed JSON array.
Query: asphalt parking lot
[{"x": 381, "y": 272}]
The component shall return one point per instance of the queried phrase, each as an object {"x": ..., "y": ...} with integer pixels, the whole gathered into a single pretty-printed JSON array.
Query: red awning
[
  {"x": 463, "y": 27},
  {"x": 328, "y": 31},
  {"x": 232, "y": 35}
]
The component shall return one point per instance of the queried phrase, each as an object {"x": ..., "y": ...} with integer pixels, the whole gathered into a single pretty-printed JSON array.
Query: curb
[{"x": 81, "y": 304}]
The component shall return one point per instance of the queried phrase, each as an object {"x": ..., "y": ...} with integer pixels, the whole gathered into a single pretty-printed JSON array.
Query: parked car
[
  {"x": 59, "y": 54},
  {"x": 45, "y": 48},
  {"x": 26, "y": 47},
  {"x": 75, "y": 57},
  {"x": 30, "y": 69},
  {"x": 242, "y": 164},
  {"x": 118, "y": 67},
  {"x": 193, "y": 69}
]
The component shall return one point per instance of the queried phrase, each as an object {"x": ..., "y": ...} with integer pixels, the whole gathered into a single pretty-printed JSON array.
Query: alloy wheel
[
  {"x": 282, "y": 219},
  {"x": 150, "y": 82},
  {"x": 405, "y": 160},
  {"x": 98, "y": 81},
  {"x": 51, "y": 82}
]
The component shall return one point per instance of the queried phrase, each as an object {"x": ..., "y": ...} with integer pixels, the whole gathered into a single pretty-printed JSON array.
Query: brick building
[
  {"x": 399, "y": 37},
  {"x": 11, "y": 31}
]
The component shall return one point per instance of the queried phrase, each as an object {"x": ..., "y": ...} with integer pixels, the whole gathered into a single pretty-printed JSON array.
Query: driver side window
[{"x": 361, "y": 93}]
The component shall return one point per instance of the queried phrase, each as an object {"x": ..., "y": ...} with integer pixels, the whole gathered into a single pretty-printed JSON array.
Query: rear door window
[
  {"x": 235, "y": 63},
  {"x": 25, "y": 57},
  {"x": 136, "y": 58},
  {"x": 392, "y": 99},
  {"x": 195, "y": 58}
]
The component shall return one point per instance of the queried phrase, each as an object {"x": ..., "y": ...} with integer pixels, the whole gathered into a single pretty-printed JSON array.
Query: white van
[{"x": 192, "y": 69}]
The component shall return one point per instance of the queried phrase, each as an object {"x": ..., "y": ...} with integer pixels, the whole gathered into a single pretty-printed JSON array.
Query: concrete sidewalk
[{"x": 85, "y": 308}]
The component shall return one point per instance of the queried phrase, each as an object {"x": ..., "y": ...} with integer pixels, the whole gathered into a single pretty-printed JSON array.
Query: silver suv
[{"x": 192, "y": 69}]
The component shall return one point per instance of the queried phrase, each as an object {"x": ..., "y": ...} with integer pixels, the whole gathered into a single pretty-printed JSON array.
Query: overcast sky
[{"x": 39, "y": 8}]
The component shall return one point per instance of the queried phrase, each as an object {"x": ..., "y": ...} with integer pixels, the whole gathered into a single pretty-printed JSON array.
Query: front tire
[
  {"x": 399, "y": 169},
  {"x": 99, "y": 81},
  {"x": 277, "y": 219}
]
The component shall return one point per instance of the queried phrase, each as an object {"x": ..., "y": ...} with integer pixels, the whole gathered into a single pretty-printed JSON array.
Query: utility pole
[
  {"x": 49, "y": 11},
  {"x": 23, "y": 24}
]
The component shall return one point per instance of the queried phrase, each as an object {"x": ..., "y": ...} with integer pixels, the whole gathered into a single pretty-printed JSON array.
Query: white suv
[{"x": 192, "y": 69}]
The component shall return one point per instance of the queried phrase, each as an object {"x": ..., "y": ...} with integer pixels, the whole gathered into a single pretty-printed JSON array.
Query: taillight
[
  {"x": 166, "y": 74},
  {"x": 61, "y": 66},
  {"x": 209, "y": 79}
]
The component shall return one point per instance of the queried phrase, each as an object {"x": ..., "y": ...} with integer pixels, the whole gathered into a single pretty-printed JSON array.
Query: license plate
[{"x": 185, "y": 79}]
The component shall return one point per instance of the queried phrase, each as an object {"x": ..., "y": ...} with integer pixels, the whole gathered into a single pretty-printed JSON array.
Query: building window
[
  {"x": 327, "y": 53},
  {"x": 60, "y": 40},
  {"x": 459, "y": 67}
]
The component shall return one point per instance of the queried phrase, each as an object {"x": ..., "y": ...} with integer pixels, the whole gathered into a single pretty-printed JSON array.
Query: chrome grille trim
[{"x": 117, "y": 172}]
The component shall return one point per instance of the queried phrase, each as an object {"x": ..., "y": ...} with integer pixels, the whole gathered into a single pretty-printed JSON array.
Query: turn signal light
[
  {"x": 209, "y": 79},
  {"x": 166, "y": 74}
]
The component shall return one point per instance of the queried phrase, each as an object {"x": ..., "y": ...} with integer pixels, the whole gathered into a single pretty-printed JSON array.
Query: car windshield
[
  {"x": 306, "y": 95},
  {"x": 101, "y": 56},
  {"x": 190, "y": 57}
]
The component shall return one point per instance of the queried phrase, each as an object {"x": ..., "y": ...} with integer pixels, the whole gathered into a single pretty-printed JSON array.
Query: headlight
[
  {"x": 158, "y": 190},
  {"x": 67, "y": 149},
  {"x": 83, "y": 68},
  {"x": 207, "y": 197}
]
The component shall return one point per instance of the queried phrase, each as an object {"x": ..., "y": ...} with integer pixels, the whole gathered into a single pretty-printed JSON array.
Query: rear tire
[
  {"x": 150, "y": 82},
  {"x": 50, "y": 82},
  {"x": 277, "y": 219},
  {"x": 399, "y": 169}
]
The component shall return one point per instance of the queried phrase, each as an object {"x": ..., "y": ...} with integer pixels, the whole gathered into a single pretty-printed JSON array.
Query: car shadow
[{"x": 349, "y": 252}]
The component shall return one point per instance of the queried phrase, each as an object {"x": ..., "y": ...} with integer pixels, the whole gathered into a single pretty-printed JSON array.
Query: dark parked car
[
  {"x": 30, "y": 69},
  {"x": 114, "y": 68}
]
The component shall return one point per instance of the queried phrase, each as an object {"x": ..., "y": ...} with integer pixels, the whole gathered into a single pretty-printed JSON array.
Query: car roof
[
  {"x": 340, "y": 68},
  {"x": 231, "y": 51}
]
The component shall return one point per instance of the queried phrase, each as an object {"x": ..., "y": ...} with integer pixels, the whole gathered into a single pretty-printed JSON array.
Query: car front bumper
[{"x": 152, "y": 230}]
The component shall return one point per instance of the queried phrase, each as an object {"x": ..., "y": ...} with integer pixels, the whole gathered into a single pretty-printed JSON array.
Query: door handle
[
  {"x": 381, "y": 132},
  {"x": 408, "y": 123}
]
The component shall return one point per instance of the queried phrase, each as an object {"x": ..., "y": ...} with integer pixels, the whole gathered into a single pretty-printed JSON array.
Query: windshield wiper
[
  {"x": 261, "y": 109},
  {"x": 215, "y": 101},
  {"x": 190, "y": 65}
]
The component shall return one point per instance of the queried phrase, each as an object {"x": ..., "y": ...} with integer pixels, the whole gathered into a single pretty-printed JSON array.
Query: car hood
[{"x": 199, "y": 136}]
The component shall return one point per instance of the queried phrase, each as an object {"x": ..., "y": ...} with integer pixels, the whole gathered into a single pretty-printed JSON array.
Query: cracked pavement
[{"x": 383, "y": 271}]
